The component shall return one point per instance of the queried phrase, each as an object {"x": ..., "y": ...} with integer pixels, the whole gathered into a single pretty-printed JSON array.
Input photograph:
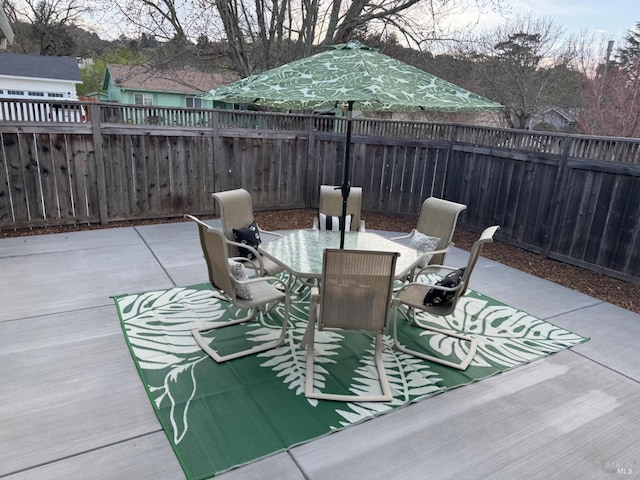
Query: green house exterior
[{"x": 144, "y": 85}]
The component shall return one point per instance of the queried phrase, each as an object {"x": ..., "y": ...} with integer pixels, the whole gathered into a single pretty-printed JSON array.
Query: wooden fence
[{"x": 572, "y": 198}]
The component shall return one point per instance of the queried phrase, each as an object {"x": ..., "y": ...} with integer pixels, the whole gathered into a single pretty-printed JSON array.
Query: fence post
[
  {"x": 310, "y": 193},
  {"x": 99, "y": 158},
  {"x": 215, "y": 127},
  {"x": 551, "y": 225},
  {"x": 452, "y": 141}
]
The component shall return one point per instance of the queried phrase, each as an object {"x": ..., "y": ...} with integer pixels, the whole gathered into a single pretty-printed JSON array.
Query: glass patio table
[{"x": 300, "y": 252}]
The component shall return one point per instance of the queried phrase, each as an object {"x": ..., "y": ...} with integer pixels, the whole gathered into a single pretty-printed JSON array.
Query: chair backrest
[
  {"x": 356, "y": 289},
  {"x": 236, "y": 211},
  {"x": 216, "y": 254},
  {"x": 438, "y": 218},
  {"x": 331, "y": 203},
  {"x": 476, "y": 249}
]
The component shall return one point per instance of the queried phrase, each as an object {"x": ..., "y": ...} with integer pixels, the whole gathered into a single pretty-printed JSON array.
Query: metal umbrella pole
[{"x": 346, "y": 184}]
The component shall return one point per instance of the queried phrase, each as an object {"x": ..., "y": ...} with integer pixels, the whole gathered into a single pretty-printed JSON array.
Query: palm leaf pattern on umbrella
[{"x": 351, "y": 72}]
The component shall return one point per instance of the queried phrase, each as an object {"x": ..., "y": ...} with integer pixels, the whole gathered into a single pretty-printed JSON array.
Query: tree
[
  {"x": 50, "y": 22},
  {"x": 525, "y": 65},
  {"x": 93, "y": 75},
  {"x": 629, "y": 55},
  {"x": 259, "y": 35},
  {"x": 610, "y": 91}
]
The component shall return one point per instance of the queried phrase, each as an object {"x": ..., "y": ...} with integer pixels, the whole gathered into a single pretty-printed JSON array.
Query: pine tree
[{"x": 629, "y": 55}]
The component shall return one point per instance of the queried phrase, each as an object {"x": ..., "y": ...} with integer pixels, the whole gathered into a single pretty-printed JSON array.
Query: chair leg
[
  {"x": 461, "y": 365},
  {"x": 311, "y": 324},
  {"x": 204, "y": 344},
  {"x": 385, "y": 396}
]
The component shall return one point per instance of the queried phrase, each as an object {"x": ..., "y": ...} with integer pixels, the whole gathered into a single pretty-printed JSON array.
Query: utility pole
[{"x": 608, "y": 57}]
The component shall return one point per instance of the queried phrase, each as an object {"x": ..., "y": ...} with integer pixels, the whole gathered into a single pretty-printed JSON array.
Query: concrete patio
[{"x": 73, "y": 406}]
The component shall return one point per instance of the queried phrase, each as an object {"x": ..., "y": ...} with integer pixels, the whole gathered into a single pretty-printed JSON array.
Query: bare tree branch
[{"x": 262, "y": 34}]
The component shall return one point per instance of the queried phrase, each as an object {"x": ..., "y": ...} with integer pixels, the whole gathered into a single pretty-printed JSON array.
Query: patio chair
[
  {"x": 354, "y": 296},
  {"x": 330, "y": 209},
  {"x": 236, "y": 213},
  {"x": 438, "y": 219},
  {"x": 250, "y": 294},
  {"x": 440, "y": 299}
]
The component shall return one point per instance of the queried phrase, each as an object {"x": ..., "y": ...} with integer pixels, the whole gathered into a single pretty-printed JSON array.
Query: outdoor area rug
[{"x": 218, "y": 416}]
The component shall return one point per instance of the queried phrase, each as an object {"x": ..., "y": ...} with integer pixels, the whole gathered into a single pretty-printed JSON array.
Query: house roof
[
  {"x": 145, "y": 77},
  {"x": 567, "y": 114},
  {"x": 39, "y": 66}
]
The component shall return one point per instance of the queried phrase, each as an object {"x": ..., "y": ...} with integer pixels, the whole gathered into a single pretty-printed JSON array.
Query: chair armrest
[
  {"x": 269, "y": 232},
  {"x": 265, "y": 279},
  {"x": 256, "y": 254},
  {"x": 404, "y": 237},
  {"x": 245, "y": 260},
  {"x": 442, "y": 250},
  {"x": 433, "y": 269},
  {"x": 430, "y": 285},
  {"x": 419, "y": 270}
]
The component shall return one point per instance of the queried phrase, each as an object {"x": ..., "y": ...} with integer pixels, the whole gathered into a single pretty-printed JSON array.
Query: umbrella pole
[{"x": 346, "y": 184}]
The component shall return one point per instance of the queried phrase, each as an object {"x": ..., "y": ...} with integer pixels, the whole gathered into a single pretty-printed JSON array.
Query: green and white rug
[{"x": 218, "y": 416}]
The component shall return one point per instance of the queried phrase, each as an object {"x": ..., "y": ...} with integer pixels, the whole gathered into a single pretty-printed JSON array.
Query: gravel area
[{"x": 617, "y": 292}]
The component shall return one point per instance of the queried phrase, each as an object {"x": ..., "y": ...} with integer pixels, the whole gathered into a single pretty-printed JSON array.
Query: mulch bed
[{"x": 617, "y": 292}]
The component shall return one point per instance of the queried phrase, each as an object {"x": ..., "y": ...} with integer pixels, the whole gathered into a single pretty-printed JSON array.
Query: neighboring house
[
  {"x": 38, "y": 77},
  {"x": 6, "y": 33},
  {"x": 49, "y": 80},
  {"x": 144, "y": 85},
  {"x": 554, "y": 119}
]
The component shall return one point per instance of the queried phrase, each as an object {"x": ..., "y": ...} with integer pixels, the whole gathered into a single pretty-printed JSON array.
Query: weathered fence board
[{"x": 573, "y": 198}]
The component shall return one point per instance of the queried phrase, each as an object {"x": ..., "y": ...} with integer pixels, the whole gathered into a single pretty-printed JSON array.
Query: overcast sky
[
  {"x": 609, "y": 18},
  {"x": 606, "y": 19}
]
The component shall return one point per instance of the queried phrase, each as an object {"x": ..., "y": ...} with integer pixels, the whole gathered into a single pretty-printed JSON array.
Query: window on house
[
  {"x": 35, "y": 94},
  {"x": 15, "y": 92},
  {"x": 143, "y": 99},
  {"x": 194, "y": 102},
  {"x": 55, "y": 95}
]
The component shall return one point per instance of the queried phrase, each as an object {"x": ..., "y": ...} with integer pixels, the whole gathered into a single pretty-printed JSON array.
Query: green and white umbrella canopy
[
  {"x": 351, "y": 73},
  {"x": 355, "y": 76}
]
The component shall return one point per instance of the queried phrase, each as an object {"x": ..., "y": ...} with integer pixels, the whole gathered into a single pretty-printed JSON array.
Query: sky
[
  {"x": 609, "y": 19},
  {"x": 604, "y": 19}
]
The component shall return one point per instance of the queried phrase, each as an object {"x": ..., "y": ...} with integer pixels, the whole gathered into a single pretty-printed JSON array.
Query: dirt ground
[{"x": 617, "y": 292}]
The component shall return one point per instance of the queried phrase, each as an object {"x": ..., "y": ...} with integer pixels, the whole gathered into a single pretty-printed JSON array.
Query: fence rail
[{"x": 569, "y": 197}]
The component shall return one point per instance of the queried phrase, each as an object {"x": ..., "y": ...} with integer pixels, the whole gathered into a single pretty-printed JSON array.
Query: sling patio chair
[
  {"x": 230, "y": 279},
  {"x": 440, "y": 299},
  {"x": 330, "y": 209},
  {"x": 434, "y": 231},
  {"x": 354, "y": 296},
  {"x": 238, "y": 225}
]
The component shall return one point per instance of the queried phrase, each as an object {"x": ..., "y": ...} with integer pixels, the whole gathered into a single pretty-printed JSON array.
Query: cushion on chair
[
  {"x": 240, "y": 273},
  {"x": 424, "y": 243},
  {"x": 249, "y": 235},
  {"x": 438, "y": 297},
  {"x": 327, "y": 222}
]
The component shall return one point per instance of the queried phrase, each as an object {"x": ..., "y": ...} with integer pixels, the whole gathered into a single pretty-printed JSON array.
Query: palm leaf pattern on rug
[
  {"x": 506, "y": 336},
  {"x": 158, "y": 326},
  {"x": 177, "y": 373}
]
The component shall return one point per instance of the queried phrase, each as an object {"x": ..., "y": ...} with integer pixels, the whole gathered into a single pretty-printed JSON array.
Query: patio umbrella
[{"x": 355, "y": 77}]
